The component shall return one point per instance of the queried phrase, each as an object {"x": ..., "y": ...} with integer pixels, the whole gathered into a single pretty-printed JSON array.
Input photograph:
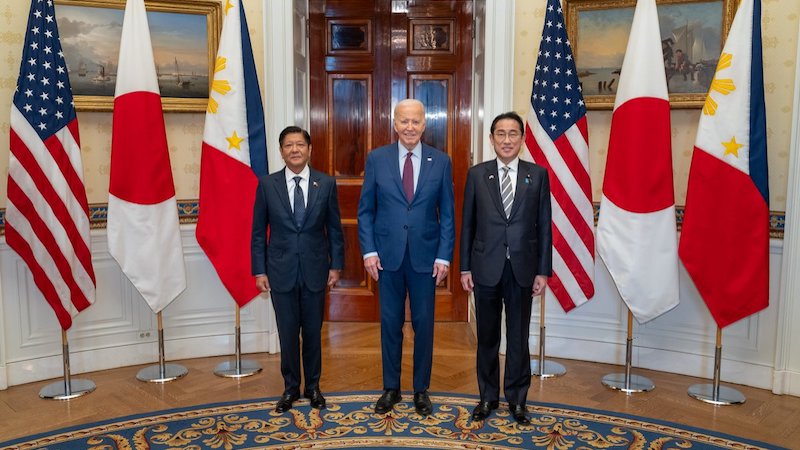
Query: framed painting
[
  {"x": 184, "y": 35},
  {"x": 692, "y": 35}
]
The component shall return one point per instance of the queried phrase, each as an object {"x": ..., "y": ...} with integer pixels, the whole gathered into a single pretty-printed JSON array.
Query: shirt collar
[
  {"x": 513, "y": 165},
  {"x": 304, "y": 174},
  {"x": 417, "y": 150}
]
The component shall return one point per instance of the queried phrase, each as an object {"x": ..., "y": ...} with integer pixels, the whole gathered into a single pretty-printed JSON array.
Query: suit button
[
  {"x": 506, "y": 224},
  {"x": 405, "y": 227},
  {"x": 409, "y": 208}
]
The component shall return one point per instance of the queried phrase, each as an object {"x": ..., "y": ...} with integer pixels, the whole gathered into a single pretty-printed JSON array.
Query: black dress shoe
[
  {"x": 317, "y": 400},
  {"x": 518, "y": 412},
  {"x": 422, "y": 403},
  {"x": 484, "y": 410},
  {"x": 285, "y": 403},
  {"x": 388, "y": 399}
]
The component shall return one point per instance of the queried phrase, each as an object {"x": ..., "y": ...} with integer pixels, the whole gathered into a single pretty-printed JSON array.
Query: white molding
[
  {"x": 499, "y": 68},
  {"x": 279, "y": 69},
  {"x": 787, "y": 355},
  {"x": 119, "y": 329}
]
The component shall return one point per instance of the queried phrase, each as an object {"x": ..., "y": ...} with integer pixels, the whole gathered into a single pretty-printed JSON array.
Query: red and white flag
[
  {"x": 143, "y": 231},
  {"x": 557, "y": 137},
  {"x": 47, "y": 215},
  {"x": 234, "y": 156},
  {"x": 725, "y": 237},
  {"x": 636, "y": 232}
]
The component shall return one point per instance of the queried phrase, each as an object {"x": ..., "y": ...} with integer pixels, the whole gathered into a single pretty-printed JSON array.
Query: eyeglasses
[{"x": 502, "y": 135}]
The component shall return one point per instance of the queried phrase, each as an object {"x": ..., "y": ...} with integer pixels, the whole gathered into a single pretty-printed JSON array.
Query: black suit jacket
[
  {"x": 315, "y": 247},
  {"x": 485, "y": 231}
]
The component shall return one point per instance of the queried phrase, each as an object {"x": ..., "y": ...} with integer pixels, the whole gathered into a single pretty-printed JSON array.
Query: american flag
[
  {"x": 47, "y": 216},
  {"x": 557, "y": 137}
]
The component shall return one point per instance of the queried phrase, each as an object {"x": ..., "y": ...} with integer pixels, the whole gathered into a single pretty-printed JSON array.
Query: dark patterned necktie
[
  {"x": 299, "y": 203},
  {"x": 506, "y": 192},
  {"x": 408, "y": 178}
]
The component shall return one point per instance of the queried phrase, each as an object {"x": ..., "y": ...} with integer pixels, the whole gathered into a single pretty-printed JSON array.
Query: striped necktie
[{"x": 506, "y": 193}]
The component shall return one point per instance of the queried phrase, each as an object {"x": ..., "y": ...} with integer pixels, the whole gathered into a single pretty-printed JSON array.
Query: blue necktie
[{"x": 299, "y": 203}]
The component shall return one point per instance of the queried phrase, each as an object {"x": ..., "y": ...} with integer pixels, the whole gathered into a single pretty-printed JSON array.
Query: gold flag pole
[
  {"x": 68, "y": 388},
  {"x": 627, "y": 382},
  {"x": 714, "y": 393},
  {"x": 162, "y": 372},
  {"x": 237, "y": 368},
  {"x": 541, "y": 367}
]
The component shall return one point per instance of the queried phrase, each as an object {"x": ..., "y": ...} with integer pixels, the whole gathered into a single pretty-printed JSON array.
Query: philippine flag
[
  {"x": 143, "y": 229},
  {"x": 234, "y": 156},
  {"x": 725, "y": 236},
  {"x": 636, "y": 232}
]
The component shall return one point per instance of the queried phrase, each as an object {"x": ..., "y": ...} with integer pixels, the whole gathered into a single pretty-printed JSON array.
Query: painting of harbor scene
[
  {"x": 691, "y": 42},
  {"x": 90, "y": 37}
]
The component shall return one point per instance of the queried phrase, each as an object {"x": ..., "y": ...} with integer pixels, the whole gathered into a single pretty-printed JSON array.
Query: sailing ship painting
[
  {"x": 101, "y": 75},
  {"x": 180, "y": 42},
  {"x": 686, "y": 58},
  {"x": 690, "y": 42},
  {"x": 181, "y": 82}
]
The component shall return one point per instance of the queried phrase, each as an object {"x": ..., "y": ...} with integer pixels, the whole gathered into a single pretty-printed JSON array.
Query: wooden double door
[{"x": 364, "y": 57}]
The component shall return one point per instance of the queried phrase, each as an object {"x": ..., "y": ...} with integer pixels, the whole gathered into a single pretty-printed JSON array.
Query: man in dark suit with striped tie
[
  {"x": 303, "y": 255},
  {"x": 506, "y": 255}
]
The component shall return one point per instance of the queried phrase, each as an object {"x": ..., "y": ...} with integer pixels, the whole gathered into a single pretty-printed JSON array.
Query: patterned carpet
[{"x": 350, "y": 422}]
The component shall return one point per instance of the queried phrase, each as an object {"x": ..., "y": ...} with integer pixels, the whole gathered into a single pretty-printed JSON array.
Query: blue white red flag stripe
[
  {"x": 557, "y": 137},
  {"x": 233, "y": 156},
  {"x": 725, "y": 236},
  {"x": 47, "y": 215}
]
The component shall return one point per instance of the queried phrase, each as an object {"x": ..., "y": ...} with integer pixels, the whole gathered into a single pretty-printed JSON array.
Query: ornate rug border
[{"x": 673, "y": 429}]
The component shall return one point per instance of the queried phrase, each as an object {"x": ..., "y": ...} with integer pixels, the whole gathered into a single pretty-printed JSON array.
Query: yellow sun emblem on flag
[
  {"x": 723, "y": 86},
  {"x": 219, "y": 86}
]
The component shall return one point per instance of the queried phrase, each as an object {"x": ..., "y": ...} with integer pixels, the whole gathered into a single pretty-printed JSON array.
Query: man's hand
[
  {"x": 466, "y": 281},
  {"x": 262, "y": 283},
  {"x": 373, "y": 265},
  {"x": 333, "y": 277},
  {"x": 439, "y": 272},
  {"x": 539, "y": 283}
]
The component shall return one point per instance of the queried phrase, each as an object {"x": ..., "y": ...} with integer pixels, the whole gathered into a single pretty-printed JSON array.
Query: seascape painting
[
  {"x": 90, "y": 37},
  {"x": 691, "y": 41}
]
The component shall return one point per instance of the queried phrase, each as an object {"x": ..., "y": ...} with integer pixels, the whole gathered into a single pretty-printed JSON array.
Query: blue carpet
[{"x": 350, "y": 422}]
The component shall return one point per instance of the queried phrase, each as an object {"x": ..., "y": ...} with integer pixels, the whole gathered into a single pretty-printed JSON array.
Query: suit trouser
[
  {"x": 393, "y": 287},
  {"x": 489, "y": 301},
  {"x": 297, "y": 312}
]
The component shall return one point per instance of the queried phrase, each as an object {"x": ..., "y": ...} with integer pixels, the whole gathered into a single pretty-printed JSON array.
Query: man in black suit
[
  {"x": 506, "y": 257},
  {"x": 303, "y": 254}
]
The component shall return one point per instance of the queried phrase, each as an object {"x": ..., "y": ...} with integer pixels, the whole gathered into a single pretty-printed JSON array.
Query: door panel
[{"x": 363, "y": 60}]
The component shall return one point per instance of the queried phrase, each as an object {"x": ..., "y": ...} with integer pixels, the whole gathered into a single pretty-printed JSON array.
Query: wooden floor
[{"x": 351, "y": 362}]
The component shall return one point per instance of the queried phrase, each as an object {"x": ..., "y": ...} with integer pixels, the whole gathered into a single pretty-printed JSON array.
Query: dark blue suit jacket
[
  {"x": 315, "y": 247},
  {"x": 386, "y": 220}
]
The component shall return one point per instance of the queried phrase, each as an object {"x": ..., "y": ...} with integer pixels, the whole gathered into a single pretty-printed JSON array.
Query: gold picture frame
[
  {"x": 184, "y": 35},
  {"x": 693, "y": 33}
]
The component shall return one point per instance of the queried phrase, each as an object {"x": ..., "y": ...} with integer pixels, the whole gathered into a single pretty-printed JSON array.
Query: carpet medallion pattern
[{"x": 350, "y": 422}]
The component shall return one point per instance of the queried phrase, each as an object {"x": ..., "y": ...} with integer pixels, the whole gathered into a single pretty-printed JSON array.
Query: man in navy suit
[
  {"x": 406, "y": 231},
  {"x": 303, "y": 255},
  {"x": 506, "y": 257}
]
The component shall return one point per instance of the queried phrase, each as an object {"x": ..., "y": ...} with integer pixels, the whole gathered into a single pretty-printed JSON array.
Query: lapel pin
[
  {"x": 315, "y": 184},
  {"x": 491, "y": 177},
  {"x": 429, "y": 159}
]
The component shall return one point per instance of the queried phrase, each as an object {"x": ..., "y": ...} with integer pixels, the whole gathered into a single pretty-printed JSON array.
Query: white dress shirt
[
  {"x": 416, "y": 160},
  {"x": 304, "y": 174}
]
